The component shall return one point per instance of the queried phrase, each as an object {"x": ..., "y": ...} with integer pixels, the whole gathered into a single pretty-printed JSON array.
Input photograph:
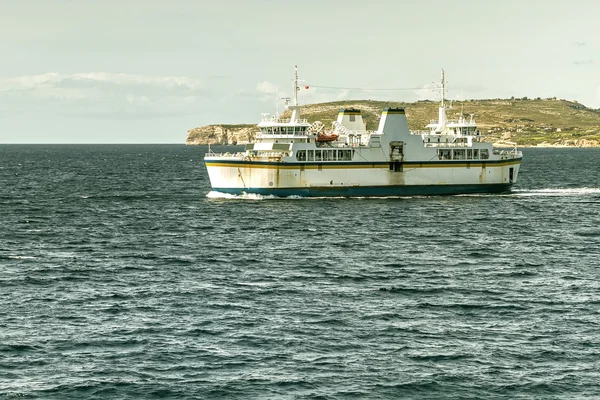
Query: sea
[{"x": 122, "y": 276}]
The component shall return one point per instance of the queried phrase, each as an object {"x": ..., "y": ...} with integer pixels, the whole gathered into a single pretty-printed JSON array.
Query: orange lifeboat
[{"x": 324, "y": 137}]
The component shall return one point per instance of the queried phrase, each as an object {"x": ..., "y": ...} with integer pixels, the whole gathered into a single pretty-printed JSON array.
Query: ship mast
[
  {"x": 295, "y": 107},
  {"x": 443, "y": 88},
  {"x": 296, "y": 88},
  {"x": 442, "y": 111}
]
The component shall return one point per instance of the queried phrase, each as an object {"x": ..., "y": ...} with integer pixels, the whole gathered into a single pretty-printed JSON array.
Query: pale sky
[{"x": 144, "y": 71}]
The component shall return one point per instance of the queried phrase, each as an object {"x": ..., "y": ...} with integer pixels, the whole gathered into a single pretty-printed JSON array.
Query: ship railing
[
  {"x": 421, "y": 132},
  {"x": 298, "y": 135},
  {"x": 277, "y": 120},
  {"x": 463, "y": 122},
  {"x": 447, "y": 144},
  {"x": 267, "y": 157},
  {"x": 508, "y": 153},
  {"x": 474, "y": 135},
  {"x": 211, "y": 153}
]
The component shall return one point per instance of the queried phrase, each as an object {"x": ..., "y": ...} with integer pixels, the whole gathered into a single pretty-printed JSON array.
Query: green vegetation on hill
[{"x": 528, "y": 121}]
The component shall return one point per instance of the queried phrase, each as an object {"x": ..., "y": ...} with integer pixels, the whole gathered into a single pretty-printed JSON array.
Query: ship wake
[{"x": 556, "y": 192}]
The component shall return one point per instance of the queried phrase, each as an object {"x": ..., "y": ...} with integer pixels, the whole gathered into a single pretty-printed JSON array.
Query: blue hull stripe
[{"x": 367, "y": 191}]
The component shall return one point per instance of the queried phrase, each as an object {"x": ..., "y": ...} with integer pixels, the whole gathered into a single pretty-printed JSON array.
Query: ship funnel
[{"x": 351, "y": 119}]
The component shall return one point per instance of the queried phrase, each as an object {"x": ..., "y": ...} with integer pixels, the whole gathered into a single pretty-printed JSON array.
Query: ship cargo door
[
  {"x": 396, "y": 151},
  {"x": 396, "y": 166},
  {"x": 511, "y": 174},
  {"x": 396, "y": 156}
]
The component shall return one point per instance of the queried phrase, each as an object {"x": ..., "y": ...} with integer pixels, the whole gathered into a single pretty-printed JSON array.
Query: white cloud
[
  {"x": 85, "y": 93},
  {"x": 427, "y": 93},
  {"x": 99, "y": 85},
  {"x": 267, "y": 88},
  {"x": 269, "y": 92},
  {"x": 97, "y": 79}
]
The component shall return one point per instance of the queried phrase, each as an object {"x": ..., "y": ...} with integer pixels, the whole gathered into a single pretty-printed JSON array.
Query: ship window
[
  {"x": 301, "y": 155},
  {"x": 352, "y": 118},
  {"x": 484, "y": 154},
  {"x": 318, "y": 155},
  {"x": 326, "y": 155},
  {"x": 444, "y": 154},
  {"x": 475, "y": 154},
  {"x": 459, "y": 154},
  {"x": 469, "y": 154},
  {"x": 310, "y": 155}
]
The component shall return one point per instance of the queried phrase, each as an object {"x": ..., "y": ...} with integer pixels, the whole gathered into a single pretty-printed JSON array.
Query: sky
[{"x": 146, "y": 71}]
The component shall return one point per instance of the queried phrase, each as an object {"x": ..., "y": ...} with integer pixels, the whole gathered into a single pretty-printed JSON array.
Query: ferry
[{"x": 293, "y": 157}]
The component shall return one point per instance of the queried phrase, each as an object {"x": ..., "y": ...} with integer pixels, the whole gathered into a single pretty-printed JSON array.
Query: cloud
[
  {"x": 102, "y": 80},
  {"x": 269, "y": 91},
  {"x": 587, "y": 62},
  {"x": 101, "y": 92},
  {"x": 427, "y": 92},
  {"x": 580, "y": 44}
]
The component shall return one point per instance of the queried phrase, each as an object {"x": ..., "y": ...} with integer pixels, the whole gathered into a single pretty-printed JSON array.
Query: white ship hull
[{"x": 362, "y": 179}]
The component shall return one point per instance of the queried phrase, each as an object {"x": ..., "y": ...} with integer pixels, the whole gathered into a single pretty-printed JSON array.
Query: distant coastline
[{"x": 546, "y": 123}]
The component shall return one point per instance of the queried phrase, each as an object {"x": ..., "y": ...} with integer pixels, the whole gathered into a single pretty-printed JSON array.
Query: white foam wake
[
  {"x": 243, "y": 196},
  {"x": 557, "y": 192},
  {"x": 253, "y": 196}
]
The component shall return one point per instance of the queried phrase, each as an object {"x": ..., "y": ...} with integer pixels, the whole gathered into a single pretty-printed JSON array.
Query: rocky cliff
[{"x": 221, "y": 134}]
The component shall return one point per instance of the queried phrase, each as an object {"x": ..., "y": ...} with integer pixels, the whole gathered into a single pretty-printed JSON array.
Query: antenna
[
  {"x": 296, "y": 88},
  {"x": 443, "y": 88}
]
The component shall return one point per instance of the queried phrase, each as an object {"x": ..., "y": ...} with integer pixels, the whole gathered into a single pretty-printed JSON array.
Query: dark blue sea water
[{"x": 120, "y": 278}]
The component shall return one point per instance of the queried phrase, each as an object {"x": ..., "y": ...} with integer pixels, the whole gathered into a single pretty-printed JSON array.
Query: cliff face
[
  {"x": 572, "y": 143},
  {"x": 221, "y": 134}
]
